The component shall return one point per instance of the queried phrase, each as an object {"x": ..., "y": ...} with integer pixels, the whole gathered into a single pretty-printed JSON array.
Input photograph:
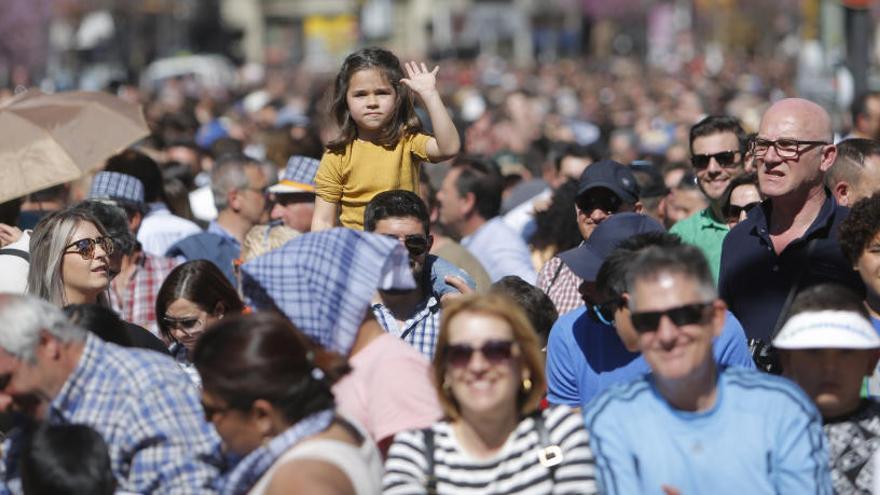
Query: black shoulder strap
[
  {"x": 17, "y": 252},
  {"x": 431, "y": 479},
  {"x": 549, "y": 454},
  {"x": 793, "y": 290},
  {"x": 556, "y": 274}
]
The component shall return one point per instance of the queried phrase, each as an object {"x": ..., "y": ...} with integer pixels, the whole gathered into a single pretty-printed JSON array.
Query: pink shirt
[{"x": 390, "y": 389}]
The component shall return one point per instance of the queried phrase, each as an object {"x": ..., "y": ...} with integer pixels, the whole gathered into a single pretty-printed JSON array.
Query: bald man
[{"x": 790, "y": 242}]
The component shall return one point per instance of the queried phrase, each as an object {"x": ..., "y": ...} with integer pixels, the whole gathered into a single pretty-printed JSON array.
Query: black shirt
[{"x": 755, "y": 281}]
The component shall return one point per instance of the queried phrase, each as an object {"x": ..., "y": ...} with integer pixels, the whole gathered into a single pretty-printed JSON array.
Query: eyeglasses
[
  {"x": 785, "y": 147},
  {"x": 733, "y": 211},
  {"x": 86, "y": 247},
  {"x": 607, "y": 202},
  {"x": 604, "y": 312},
  {"x": 689, "y": 314},
  {"x": 184, "y": 324},
  {"x": 725, "y": 159},
  {"x": 416, "y": 244},
  {"x": 495, "y": 351}
]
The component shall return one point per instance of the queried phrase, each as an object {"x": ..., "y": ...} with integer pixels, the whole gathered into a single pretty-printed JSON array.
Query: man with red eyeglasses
[
  {"x": 790, "y": 242},
  {"x": 717, "y": 149}
]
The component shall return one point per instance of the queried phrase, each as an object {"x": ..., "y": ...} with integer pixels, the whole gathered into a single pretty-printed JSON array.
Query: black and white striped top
[{"x": 515, "y": 469}]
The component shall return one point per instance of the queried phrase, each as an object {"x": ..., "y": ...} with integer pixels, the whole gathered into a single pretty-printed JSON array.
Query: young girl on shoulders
[{"x": 380, "y": 144}]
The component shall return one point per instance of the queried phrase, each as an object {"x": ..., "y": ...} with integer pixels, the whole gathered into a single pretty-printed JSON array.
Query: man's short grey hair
[
  {"x": 684, "y": 259},
  {"x": 25, "y": 317},
  {"x": 228, "y": 175}
]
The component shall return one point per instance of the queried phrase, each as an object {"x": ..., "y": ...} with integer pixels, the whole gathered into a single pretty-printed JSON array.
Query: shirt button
[{"x": 775, "y": 268}]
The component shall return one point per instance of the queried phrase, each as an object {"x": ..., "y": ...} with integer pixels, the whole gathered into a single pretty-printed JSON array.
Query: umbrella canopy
[{"x": 52, "y": 139}]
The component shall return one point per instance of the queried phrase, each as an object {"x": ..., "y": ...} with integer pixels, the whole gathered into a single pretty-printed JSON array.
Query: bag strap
[
  {"x": 792, "y": 292},
  {"x": 549, "y": 454},
  {"x": 17, "y": 252},
  {"x": 555, "y": 274},
  {"x": 431, "y": 480}
]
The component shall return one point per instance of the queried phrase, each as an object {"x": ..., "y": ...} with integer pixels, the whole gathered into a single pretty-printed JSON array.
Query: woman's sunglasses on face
[
  {"x": 86, "y": 247},
  {"x": 734, "y": 211},
  {"x": 689, "y": 314},
  {"x": 494, "y": 351},
  {"x": 184, "y": 324}
]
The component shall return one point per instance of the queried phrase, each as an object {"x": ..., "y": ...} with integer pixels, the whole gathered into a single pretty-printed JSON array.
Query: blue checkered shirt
[
  {"x": 420, "y": 331},
  {"x": 149, "y": 414}
]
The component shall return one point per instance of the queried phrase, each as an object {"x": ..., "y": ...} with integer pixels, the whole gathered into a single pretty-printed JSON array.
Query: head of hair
[
  {"x": 739, "y": 180},
  {"x": 611, "y": 279},
  {"x": 859, "y": 105},
  {"x": 201, "y": 283},
  {"x": 827, "y": 297},
  {"x": 27, "y": 317},
  {"x": 860, "y": 227},
  {"x": 556, "y": 226},
  {"x": 715, "y": 124},
  {"x": 57, "y": 193},
  {"x": 228, "y": 174},
  {"x": 139, "y": 165},
  {"x": 263, "y": 356},
  {"x": 403, "y": 120},
  {"x": 539, "y": 308},
  {"x": 396, "y": 204},
  {"x": 101, "y": 321},
  {"x": 503, "y": 308},
  {"x": 115, "y": 222},
  {"x": 482, "y": 178},
  {"x": 67, "y": 459},
  {"x": 577, "y": 151},
  {"x": 683, "y": 259},
  {"x": 47, "y": 246},
  {"x": 850, "y": 161}
]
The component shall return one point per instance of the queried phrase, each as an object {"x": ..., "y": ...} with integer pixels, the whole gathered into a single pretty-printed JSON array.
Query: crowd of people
[{"x": 607, "y": 284}]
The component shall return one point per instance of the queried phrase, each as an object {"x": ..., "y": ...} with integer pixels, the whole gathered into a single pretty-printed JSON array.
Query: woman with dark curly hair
[
  {"x": 556, "y": 228},
  {"x": 860, "y": 243}
]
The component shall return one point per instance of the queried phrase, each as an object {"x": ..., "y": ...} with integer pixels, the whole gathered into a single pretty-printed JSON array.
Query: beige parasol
[{"x": 47, "y": 140}]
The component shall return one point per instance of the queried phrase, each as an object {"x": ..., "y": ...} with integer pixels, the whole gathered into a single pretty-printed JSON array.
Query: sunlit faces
[
  {"x": 714, "y": 178},
  {"x": 452, "y": 206},
  {"x": 683, "y": 203},
  {"x": 237, "y": 429},
  {"x": 868, "y": 266},
  {"x": 371, "y": 100},
  {"x": 23, "y": 387},
  {"x": 742, "y": 199},
  {"x": 251, "y": 201},
  {"x": 83, "y": 278},
  {"x": 676, "y": 352},
  {"x": 831, "y": 377},
  {"x": 295, "y": 210},
  {"x": 187, "y": 321},
  {"x": 487, "y": 384},
  {"x": 410, "y": 232},
  {"x": 868, "y": 182},
  {"x": 593, "y": 206}
]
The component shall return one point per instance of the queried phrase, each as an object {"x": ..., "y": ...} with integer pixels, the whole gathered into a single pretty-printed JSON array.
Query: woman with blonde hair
[{"x": 489, "y": 374}]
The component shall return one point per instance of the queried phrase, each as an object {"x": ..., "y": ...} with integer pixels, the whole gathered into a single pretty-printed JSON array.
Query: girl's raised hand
[{"x": 422, "y": 82}]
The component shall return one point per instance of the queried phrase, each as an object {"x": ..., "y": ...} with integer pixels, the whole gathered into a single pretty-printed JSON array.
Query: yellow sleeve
[
  {"x": 418, "y": 145},
  {"x": 328, "y": 180}
]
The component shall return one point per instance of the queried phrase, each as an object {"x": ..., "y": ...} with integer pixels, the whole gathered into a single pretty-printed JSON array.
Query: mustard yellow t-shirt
[{"x": 365, "y": 169}]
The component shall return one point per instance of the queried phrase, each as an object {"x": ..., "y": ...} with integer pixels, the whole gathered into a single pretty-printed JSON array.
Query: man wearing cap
[
  {"x": 827, "y": 347},
  {"x": 594, "y": 346},
  {"x": 606, "y": 187},
  {"x": 294, "y": 194},
  {"x": 470, "y": 199},
  {"x": 136, "y": 275},
  {"x": 717, "y": 149},
  {"x": 691, "y": 426}
]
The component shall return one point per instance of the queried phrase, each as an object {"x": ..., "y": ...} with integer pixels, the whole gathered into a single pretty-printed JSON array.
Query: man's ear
[
  {"x": 232, "y": 199},
  {"x": 638, "y": 207},
  {"x": 470, "y": 203},
  {"x": 718, "y": 316},
  {"x": 48, "y": 347},
  {"x": 134, "y": 222},
  {"x": 841, "y": 192}
]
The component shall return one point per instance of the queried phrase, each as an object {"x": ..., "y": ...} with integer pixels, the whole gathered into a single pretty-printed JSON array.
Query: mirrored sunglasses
[{"x": 86, "y": 247}]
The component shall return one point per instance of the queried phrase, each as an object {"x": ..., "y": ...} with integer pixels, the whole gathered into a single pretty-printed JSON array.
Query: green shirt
[{"x": 706, "y": 233}]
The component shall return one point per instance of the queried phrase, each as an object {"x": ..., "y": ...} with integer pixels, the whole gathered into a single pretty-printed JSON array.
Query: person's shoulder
[
  {"x": 686, "y": 228},
  {"x": 392, "y": 353},
  {"x": 620, "y": 395},
  {"x": 140, "y": 369},
  {"x": 765, "y": 388}
]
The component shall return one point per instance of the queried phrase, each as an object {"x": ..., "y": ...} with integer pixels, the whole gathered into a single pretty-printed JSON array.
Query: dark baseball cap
[
  {"x": 613, "y": 176},
  {"x": 586, "y": 259}
]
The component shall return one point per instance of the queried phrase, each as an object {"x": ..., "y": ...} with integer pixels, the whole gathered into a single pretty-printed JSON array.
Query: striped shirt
[{"x": 515, "y": 469}]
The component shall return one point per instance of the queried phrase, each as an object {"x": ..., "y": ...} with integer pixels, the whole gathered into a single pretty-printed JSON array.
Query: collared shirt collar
[
  {"x": 216, "y": 228},
  {"x": 823, "y": 220}
]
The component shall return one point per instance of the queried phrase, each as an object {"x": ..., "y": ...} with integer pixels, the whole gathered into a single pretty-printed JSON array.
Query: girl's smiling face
[{"x": 371, "y": 102}]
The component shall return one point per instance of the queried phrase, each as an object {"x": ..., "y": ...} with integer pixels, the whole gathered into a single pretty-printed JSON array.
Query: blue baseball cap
[
  {"x": 586, "y": 259},
  {"x": 616, "y": 177}
]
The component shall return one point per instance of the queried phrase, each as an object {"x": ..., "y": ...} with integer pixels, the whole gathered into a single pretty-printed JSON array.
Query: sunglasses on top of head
[
  {"x": 86, "y": 247},
  {"x": 725, "y": 159},
  {"x": 688, "y": 314},
  {"x": 494, "y": 351}
]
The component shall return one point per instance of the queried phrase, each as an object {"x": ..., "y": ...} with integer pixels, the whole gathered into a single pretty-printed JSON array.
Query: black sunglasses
[
  {"x": 181, "y": 323},
  {"x": 733, "y": 211},
  {"x": 726, "y": 159},
  {"x": 495, "y": 351},
  {"x": 416, "y": 244},
  {"x": 608, "y": 202},
  {"x": 689, "y": 314},
  {"x": 86, "y": 247}
]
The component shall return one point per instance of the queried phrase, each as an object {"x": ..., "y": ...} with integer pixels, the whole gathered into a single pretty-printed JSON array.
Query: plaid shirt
[
  {"x": 420, "y": 331},
  {"x": 561, "y": 285},
  {"x": 136, "y": 302},
  {"x": 148, "y": 413}
]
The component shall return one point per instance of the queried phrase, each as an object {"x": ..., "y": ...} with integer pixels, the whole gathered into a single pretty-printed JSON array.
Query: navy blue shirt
[{"x": 755, "y": 281}]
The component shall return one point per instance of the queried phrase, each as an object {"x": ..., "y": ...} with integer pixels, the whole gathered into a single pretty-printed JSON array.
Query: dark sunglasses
[
  {"x": 181, "y": 323},
  {"x": 609, "y": 203},
  {"x": 604, "y": 313},
  {"x": 495, "y": 351},
  {"x": 416, "y": 244},
  {"x": 733, "y": 211},
  {"x": 726, "y": 159},
  {"x": 286, "y": 199},
  {"x": 689, "y": 314},
  {"x": 86, "y": 247}
]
